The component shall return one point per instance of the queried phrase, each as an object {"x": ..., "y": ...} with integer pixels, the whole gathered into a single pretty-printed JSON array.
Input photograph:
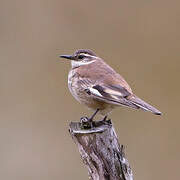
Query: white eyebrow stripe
[{"x": 87, "y": 55}]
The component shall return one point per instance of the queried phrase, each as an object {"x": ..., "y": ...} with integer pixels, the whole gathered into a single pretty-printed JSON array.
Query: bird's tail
[{"x": 143, "y": 105}]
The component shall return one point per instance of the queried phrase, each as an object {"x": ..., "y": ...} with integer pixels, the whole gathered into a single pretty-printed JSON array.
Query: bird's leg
[
  {"x": 88, "y": 122},
  {"x": 105, "y": 120},
  {"x": 92, "y": 117},
  {"x": 85, "y": 119}
]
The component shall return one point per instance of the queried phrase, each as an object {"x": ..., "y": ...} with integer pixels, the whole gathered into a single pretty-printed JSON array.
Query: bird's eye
[{"x": 81, "y": 56}]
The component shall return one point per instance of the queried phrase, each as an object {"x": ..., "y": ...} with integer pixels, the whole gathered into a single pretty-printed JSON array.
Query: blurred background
[{"x": 140, "y": 39}]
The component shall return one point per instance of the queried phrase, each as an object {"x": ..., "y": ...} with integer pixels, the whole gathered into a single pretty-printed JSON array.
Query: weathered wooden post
[{"x": 101, "y": 151}]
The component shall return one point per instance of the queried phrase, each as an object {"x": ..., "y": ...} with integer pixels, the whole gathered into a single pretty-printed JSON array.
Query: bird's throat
[{"x": 76, "y": 64}]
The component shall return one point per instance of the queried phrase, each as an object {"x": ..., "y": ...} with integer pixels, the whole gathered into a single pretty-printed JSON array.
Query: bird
[{"x": 95, "y": 84}]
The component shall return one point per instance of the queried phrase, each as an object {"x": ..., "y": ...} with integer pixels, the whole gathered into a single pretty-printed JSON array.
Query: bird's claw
[{"x": 86, "y": 123}]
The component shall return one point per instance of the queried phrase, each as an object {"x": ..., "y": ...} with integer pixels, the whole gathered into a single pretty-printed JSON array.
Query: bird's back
[{"x": 101, "y": 73}]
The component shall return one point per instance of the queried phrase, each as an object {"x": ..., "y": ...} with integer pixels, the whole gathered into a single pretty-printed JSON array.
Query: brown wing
[
  {"x": 112, "y": 94},
  {"x": 101, "y": 73},
  {"x": 103, "y": 83}
]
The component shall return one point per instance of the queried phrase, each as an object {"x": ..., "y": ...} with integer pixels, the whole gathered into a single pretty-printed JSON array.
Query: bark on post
[{"x": 100, "y": 151}]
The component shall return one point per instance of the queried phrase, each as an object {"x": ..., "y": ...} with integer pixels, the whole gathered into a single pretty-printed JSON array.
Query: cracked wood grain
[{"x": 100, "y": 151}]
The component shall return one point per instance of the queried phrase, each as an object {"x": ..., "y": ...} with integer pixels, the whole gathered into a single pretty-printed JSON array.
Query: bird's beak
[{"x": 67, "y": 57}]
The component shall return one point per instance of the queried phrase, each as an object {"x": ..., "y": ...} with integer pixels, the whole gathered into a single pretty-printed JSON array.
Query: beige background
[{"x": 140, "y": 39}]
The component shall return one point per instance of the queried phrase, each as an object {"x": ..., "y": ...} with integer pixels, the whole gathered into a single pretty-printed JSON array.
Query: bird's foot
[{"x": 86, "y": 123}]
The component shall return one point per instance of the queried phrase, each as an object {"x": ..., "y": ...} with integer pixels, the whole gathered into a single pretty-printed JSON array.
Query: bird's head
[{"x": 81, "y": 57}]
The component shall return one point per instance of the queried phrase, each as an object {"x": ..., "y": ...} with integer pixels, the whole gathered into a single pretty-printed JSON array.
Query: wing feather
[{"x": 112, "y": 96}]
